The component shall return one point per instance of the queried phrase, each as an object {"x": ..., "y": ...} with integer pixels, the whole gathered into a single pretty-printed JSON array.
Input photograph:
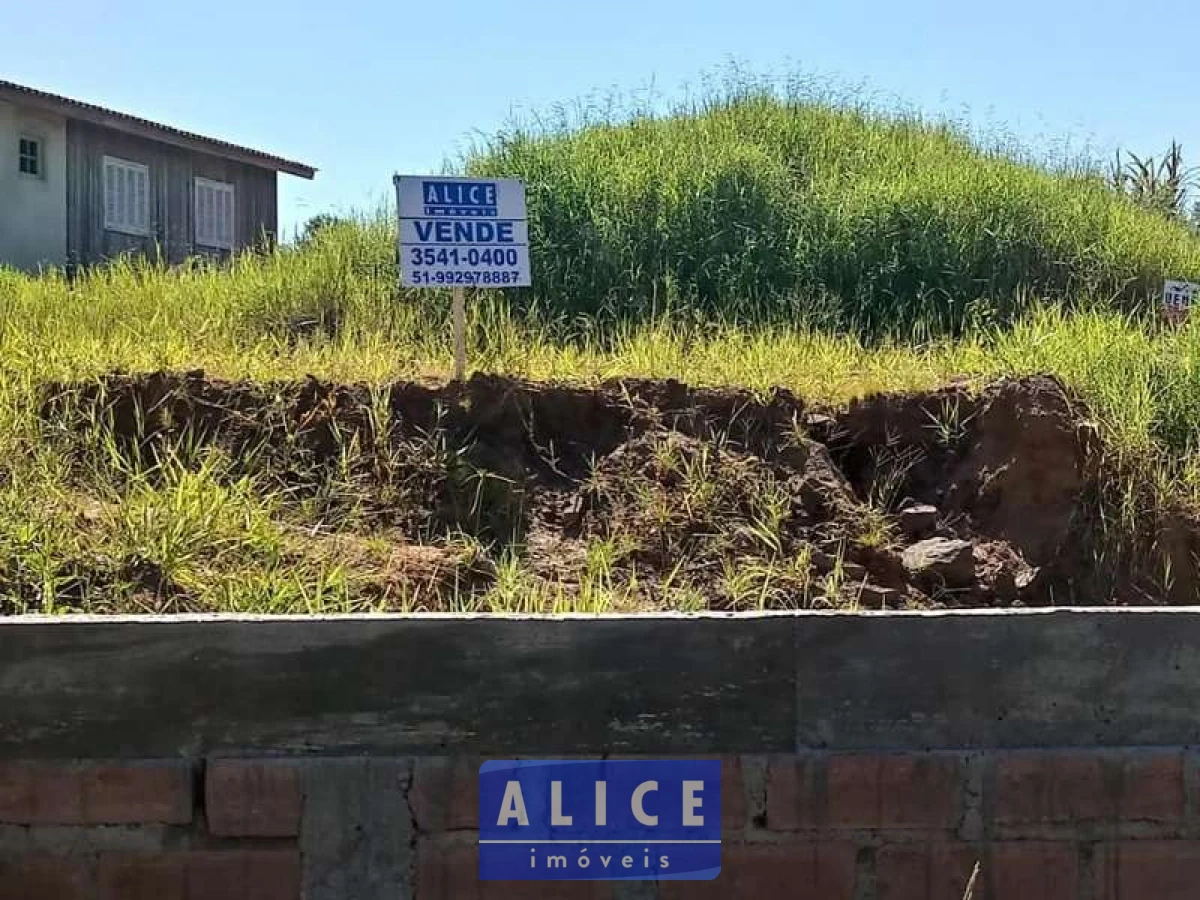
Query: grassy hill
[{"x": 876, "y": 221}]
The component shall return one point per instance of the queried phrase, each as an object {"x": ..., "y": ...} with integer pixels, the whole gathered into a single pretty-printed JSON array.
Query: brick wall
[
  {"x": 337, "y": 759},
  {"x": 133, "y": 830},
  {"x": 1114, "y": 824}
]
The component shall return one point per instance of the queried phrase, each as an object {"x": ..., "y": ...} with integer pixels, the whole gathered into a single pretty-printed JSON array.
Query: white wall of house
[{"x": 33, "y": 209}]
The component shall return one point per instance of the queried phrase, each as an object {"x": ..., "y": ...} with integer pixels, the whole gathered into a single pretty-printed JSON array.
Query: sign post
[
  {"x": 455, "y": 232},
  {"x": 459, "y": 313}
]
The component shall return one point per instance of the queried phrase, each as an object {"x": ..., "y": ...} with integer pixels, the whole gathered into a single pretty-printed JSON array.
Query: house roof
[{"x": 109, "y": 118}]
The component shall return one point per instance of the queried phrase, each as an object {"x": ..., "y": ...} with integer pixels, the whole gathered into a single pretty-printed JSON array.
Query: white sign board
[
  {"x": 462, "y": 231},
  {"x": 1178, "y": 296}
]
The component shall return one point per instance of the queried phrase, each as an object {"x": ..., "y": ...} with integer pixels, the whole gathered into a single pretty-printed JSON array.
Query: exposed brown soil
[{"x": 742, "y": 499}]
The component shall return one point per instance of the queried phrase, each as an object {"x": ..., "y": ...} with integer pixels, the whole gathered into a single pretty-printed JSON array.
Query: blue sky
[{"x": 362, "y": 88}]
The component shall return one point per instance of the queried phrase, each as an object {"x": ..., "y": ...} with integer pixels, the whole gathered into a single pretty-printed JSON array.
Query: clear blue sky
[{"x": 362, "y": 88}]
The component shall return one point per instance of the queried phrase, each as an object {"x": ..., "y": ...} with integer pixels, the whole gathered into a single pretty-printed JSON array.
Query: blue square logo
[{"x": 599, "y": 820}]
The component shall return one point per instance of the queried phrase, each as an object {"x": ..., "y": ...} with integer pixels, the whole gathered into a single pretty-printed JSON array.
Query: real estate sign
[
  {"x": 1178, "y": 297},
  {"x": 456, "y": 232}
]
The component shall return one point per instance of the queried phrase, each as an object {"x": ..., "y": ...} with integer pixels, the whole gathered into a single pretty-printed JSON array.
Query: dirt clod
[
  {"x": 1024, "y": 468},
  {"x": 873, "y": 596}
]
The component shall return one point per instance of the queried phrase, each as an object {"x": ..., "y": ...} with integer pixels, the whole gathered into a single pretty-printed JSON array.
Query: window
[
  {"x": 29, "y": 157},
  {"x": 126, "y": 196},
  {"x": 214, "y": 214}
]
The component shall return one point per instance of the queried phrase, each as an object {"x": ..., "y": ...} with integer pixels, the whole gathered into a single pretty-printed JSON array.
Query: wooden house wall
[{"x": 172, "y": 171}]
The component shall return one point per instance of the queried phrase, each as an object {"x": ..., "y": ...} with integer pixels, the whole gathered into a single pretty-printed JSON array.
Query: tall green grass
[
  {"x": 755, "y": 199},
  {"x": 1143, "y": 379}
]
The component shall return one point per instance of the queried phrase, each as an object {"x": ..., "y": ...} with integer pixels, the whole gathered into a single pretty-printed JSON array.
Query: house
[{"x": 80, "y": 184}]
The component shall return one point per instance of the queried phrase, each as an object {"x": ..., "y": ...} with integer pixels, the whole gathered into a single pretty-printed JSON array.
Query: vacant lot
[{"x": 780, "y": 354}]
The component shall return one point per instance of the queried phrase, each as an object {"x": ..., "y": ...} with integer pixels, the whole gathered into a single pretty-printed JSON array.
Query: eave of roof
[{"x": 109, "y": 118}]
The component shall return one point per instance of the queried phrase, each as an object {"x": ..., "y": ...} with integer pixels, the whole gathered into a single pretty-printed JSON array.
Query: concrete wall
[
  {"x": 33, "y": 211},
  {"x": 867, "y": 757}
]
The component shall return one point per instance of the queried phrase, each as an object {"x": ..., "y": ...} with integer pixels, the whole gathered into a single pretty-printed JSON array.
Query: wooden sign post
[{"x": 459, "y": 314}]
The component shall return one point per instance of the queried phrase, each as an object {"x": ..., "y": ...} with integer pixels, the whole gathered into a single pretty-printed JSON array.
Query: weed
[{"x": 949, "y": 424}]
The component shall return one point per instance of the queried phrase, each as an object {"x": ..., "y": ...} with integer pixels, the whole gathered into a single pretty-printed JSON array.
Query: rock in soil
[
  {"x": 918, "y": 521},
  {"x": 1003, "y": 574},
  {"x": 948, "y": 561}
]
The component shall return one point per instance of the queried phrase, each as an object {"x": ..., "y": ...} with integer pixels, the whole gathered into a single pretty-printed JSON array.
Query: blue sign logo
[
  {"x": 599, "y": 820},
  {"x": 459, "y": 198}
]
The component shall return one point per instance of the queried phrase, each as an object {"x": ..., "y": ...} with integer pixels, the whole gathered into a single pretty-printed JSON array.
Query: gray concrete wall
[{"x": 649, "y": 684}]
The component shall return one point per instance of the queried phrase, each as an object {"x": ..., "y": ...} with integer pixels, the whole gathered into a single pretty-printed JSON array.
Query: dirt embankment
[{"x": 941, "y": 498}]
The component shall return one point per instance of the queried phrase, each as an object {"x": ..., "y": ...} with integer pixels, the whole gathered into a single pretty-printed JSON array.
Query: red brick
[
  {"x": 935, "y": 872},
  {"x": 916, "y": 790},
  {"x": 792, "y": 793},
  {"x": 1050, "y": 787},
  {"x": 1148, "y": 870},
  {"x": 40, "y": 794},
  {"x": 794, "y": 870},
  {"x": 253, "y": 798},
  {"x": 120, "y": 793},
  {"x": 450, "y": 871},
  {"x": 853, "y": 791},
  {"x": 45, "y": 878},
  {"x": 137, "y": 877},
  {"x": 1056, "y": 787},
  {"x": 244, "y": 875},
  {"x": 445, "y": 793},
  {"x": 200, "y": 875},
  {"x": 34, "y": 793},
  {"x": 1152, "y": 787},
  {"x": 1032, "y": 871}
]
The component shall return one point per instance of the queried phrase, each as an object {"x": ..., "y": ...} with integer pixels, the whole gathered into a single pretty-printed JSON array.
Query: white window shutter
[
  {"x": 227, "y": 218},
  {"x": 110, "y": 194},
  {"x": 123, "y": 197},
  {"x": 126, "y": 196},
  {"x": 201, "y": 213},
  {"x": 141, "y": 206},
  {"x": 214, "y": 214},
  {"x": 131, "y": 208}
]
